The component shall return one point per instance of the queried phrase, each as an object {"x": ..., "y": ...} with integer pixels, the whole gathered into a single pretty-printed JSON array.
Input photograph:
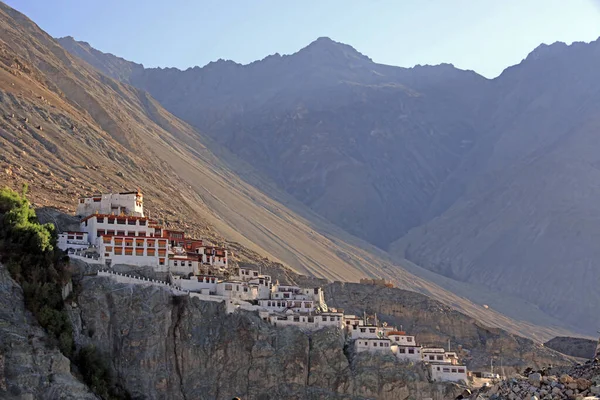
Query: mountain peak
[{"x": 327, "y": 48}]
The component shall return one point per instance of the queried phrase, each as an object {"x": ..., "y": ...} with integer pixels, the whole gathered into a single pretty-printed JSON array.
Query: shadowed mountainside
[{"x": 489, "y": 182}]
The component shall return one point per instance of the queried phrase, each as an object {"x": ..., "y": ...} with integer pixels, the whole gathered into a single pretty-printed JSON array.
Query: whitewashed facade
[
  {"x": 309, "y": 322},
  {"x": 126, "y": 203},
  {"x": 73, "y": 240},
  {"x": 373, "y": 345},
  {"x": 448, "y": 373}
]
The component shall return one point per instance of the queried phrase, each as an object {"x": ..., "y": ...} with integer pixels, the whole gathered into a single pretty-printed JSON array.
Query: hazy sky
[{"x": 483, "y": 35}]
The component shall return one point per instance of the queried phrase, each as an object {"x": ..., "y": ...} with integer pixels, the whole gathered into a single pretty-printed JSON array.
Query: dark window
[
  {"x": 402, "y": 351},
  {"x": 411, "y": 351}
]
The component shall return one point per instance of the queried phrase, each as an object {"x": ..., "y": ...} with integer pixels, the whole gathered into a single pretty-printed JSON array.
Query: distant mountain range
[
  {"x": 68, "y": 130},
  {"x": 491, "y": 182}
]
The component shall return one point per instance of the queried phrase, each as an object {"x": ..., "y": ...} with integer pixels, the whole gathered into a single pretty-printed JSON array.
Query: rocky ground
[{"x": 576, "y": 383}]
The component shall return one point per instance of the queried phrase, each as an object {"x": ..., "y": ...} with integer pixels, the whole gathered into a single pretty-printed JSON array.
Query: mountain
[
  {"x": 68, "y": 130},
  {"x": 487, "y": 182}
]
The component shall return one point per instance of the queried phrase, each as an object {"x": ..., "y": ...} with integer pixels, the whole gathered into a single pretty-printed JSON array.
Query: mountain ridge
[{"x": 399, "y": 157}]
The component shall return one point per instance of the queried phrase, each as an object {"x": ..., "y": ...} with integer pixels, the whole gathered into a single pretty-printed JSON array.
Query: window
[
  {"x": 161, "y": 261},
  {"x": 461, "y": 370},
  {"x": 375, "y": 344},
  {"x": 409, "y": 339},
  {"x": 440, "y": 358},
  {"x": 387, "y": 345},
  {"x": 86, "y": 222},
  {"x": 106, "y": 255},
  {"x": 111, "y": 220},
  {"x": 402, "y": 351},
  {"x": 445, "y": 369},
  {"x": 71, "y": 237},
  {"x": 372, "y": 330},
  {"x": 363, "y": 329},
  {"x": 228, "y": 286},
  {"x": 438, "y": 368},
  {"x": 131, "y": 222},
  {"x": 311, "y": 319},
  {"x": 175, "y": 263},
  {"x": 431, "y": 358},
  {"x": 325, "y": 319},
  {"x": 411, "y": 351},
  {"x": 454, "y": 370},
  {"x": 245, "y": 289},
  {"x": 142, "y": 222}
]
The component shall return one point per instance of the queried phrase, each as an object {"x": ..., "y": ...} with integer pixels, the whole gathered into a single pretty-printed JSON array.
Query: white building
[
  {"x": 183, "y": 265},
  {"x": 126, "y": 203},
  {"x": 439, "y": 355},
  {"x": 368, "y": 331},
  {"x": 97, "y": 225},
  {"x": 298, "y": 306},
  {"x": 133, "y": 250},
  {"x": 200, "y": 284},
  {"x": 238, "y": 290},
  {"x": 73, "y": 240},
  {"x": 309, "y": 322},
  {"x": 407, "y": 352},
  {"x": 373, "y": 345},
  {"x": 446, "y": 372}
]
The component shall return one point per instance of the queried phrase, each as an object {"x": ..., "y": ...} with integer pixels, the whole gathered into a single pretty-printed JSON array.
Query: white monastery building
[
  {"x": 114, "y": 226},
  {"x": 126, "y": 203}
]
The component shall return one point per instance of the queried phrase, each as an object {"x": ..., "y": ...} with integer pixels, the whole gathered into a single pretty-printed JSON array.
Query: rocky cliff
[
  {"x": 436, "y": 324},
  {"x": 30, "y": 366},
  {"x": 161, "y": 346},
  {"x": 576, "y": 347}
]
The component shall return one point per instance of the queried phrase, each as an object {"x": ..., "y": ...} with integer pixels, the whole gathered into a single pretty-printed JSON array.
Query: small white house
[
  {"x": 126, "y": 203},
  {"x": 373, "y": 345},
  {"x": 237, "y": 290},
  {"x": 448, "y": 373},
  {"x": 368, "y": 331},
  {"x": 198, "y": 284},
  {"x": 439, "y": 355},
  {"x": 298, "y": 306},
  {"x": 309, "y": 322},
  {"x": 73, "y": 241},
  {"x": 407, "y": 352}
]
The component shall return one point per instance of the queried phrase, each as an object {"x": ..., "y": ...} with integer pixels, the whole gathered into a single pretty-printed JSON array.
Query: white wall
[
  {"x": 117, "y": 203},
  {"x": 373, "y": 345},
  {"x": 407, "y": 352},
  {"x": 307, "y": 322},
  {"x": 195, "y": 285},
  {"x": 72, "y": 240},
  {"x": 450, "y": 373}
]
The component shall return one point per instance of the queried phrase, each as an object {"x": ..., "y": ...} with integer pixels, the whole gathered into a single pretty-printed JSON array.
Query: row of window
[
  {"x": 296, "y": 304},
  {"x": 375, "y": 344},
  {"x": 433, "y": 358},
  {"x": 182, "y": 263},
  {"x": 129, "y": 251},
  {"x": 453, "y": 370},
  {"x": 404, "y": 351}
]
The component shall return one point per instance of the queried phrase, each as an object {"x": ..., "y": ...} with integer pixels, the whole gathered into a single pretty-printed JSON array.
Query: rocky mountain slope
[
  {"x": 479, "y": 180},
  {"x": 69, "y": 130},
  {"x": 576, "y": 347},
  {"x": 181, "y": 348},
  {"x": 29, "y": 366}
]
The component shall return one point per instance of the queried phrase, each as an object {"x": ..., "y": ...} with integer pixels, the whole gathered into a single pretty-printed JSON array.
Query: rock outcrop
[
  {"x": 435, "y": 324},
  {"x": 580, "y": 383},
  {"x": 161, "y": 346},
  {"x": 576, "y": 347},
  {"x": 30, "y": 366}
]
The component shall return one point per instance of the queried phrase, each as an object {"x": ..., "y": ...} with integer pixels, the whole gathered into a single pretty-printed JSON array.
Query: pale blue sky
[{"x": 482, "y": 35}]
